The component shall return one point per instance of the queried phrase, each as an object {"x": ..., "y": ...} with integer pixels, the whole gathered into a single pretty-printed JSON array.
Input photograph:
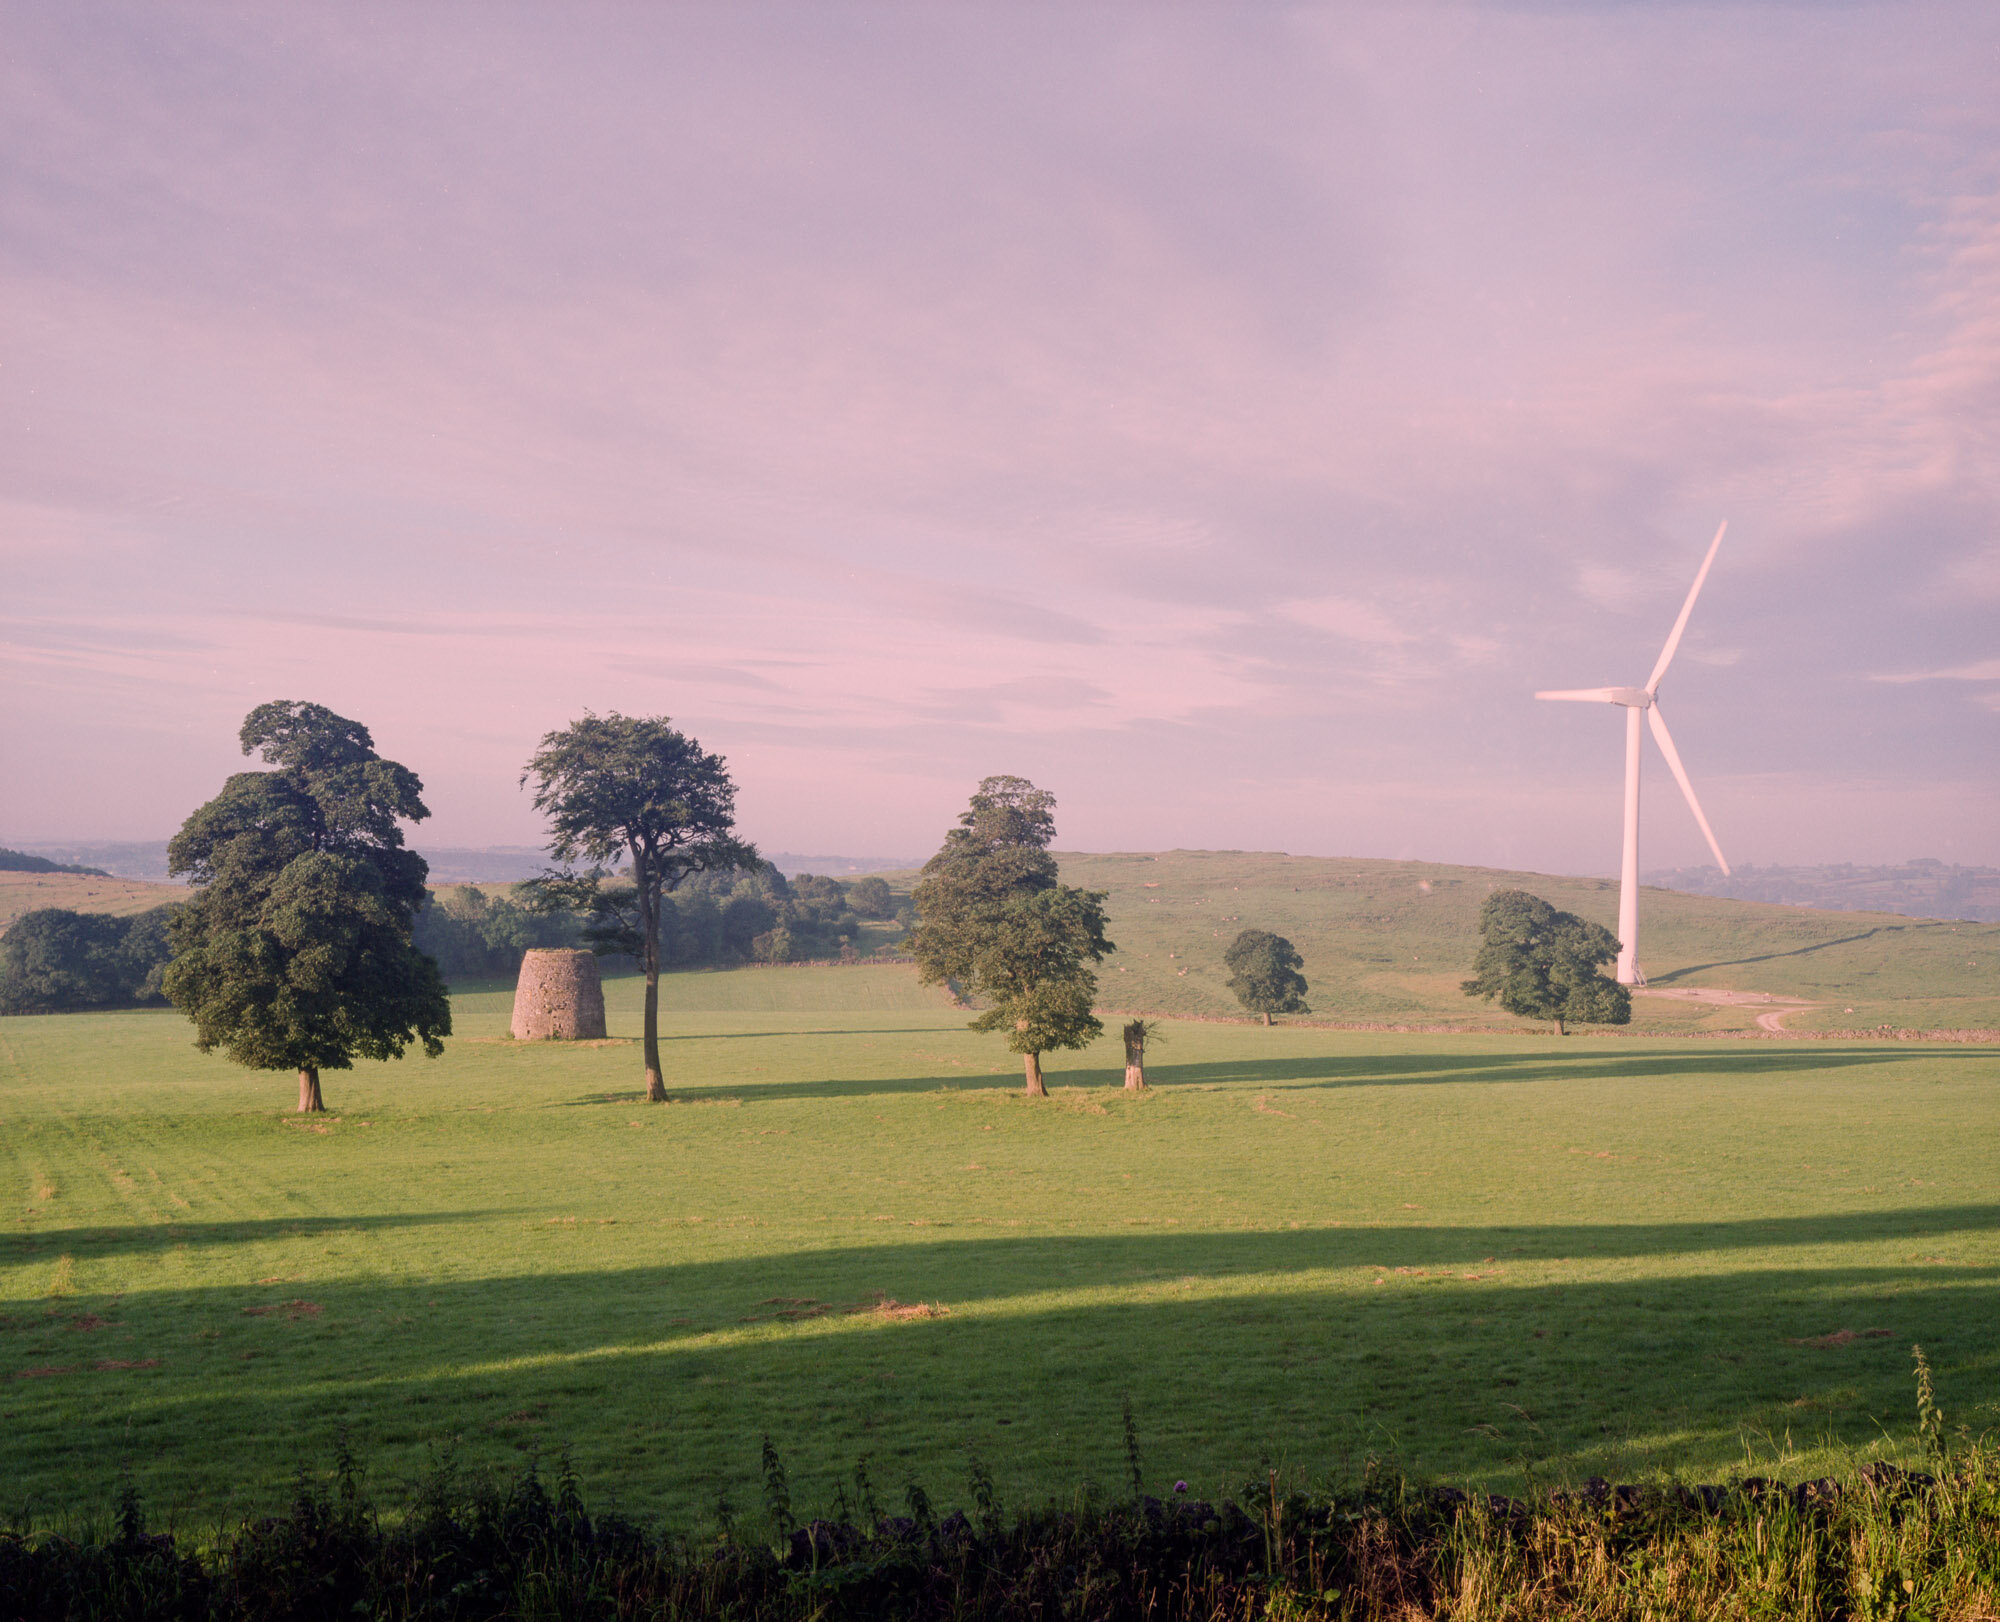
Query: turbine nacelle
[{"x": 1633, "y": 698}]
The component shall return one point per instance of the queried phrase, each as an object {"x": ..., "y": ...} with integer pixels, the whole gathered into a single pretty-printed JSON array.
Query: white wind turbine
[{"x": 1636, "y": 699}]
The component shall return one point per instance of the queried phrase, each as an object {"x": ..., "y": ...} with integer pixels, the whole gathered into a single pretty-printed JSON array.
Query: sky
[{"x": 1226, "y": 416}]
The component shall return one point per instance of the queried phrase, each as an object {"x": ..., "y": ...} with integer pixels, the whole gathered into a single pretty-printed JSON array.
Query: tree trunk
[
  {"x": 1559, "y": 1027},
  {"x": 656, "y": 1083},
  {"x": 1135, "y": 1065},
  {"x": 1032, "y": 1064},
  {"x": 1267, "y": 1016},
  {"x": 310, "y": 1101},
  {"x": 648, "y": 885}
]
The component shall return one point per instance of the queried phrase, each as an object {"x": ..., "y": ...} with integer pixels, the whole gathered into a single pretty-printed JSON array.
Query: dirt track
[{"x": 1772, "y": 1020}]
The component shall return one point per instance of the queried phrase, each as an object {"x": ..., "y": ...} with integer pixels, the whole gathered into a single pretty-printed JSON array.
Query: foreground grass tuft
[{"x": 1880, "y": 1543}]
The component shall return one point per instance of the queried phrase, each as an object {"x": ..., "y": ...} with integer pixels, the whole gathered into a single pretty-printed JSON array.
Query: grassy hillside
[
  {"x": 27, "y": 892},
  {"x": 1390, "y": 942}
]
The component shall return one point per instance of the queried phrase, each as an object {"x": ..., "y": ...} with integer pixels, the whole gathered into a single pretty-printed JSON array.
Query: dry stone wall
[{"x": 558, "y": 997}]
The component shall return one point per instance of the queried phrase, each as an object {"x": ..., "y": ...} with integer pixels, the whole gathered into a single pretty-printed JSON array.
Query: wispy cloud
[{"x": 1979, "y": 670}]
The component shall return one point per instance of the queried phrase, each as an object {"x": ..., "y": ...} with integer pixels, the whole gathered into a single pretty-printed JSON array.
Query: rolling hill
[
  {"x": 1389, "y": 942},
  {"x": 26, "y": 892}
]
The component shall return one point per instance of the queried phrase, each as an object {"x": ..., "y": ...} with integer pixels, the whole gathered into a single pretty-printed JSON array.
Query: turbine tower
[{"x": 1635, "y": 700}]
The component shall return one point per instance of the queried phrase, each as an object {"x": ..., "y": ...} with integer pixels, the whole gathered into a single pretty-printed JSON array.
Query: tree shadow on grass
[
  {"x": 1748, "y": 1060},
  {"x": 663, "y": 1378},
  {"x": 87, "y": 1243}
]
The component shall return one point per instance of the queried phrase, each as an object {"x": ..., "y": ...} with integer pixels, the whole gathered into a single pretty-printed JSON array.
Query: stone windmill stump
[{"x": 558, "y": 998}]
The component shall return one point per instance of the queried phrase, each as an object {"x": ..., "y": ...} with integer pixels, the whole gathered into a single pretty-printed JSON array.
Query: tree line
[
  {"x": 54, "y": 960},
  {"x": 716, "y": 920},
  {"x": 303, "y": 944},
  {"x": 17, "y": 861}
]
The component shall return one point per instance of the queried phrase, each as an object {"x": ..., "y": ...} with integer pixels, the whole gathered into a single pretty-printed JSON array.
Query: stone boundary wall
[{"x": 559, "y": 997}]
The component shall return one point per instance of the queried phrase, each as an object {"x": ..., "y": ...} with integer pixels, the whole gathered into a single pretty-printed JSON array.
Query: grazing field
[
  {"x": 80, "y": 892},
  {"x": 1489, "y": 1258},
  {"x": 1390, "y": 942}
]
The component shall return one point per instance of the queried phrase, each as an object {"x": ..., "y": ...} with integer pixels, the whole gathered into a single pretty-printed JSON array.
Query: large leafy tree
[
  {"x": 1543, "y": 964},
  {"x": 1264, "y": 974},
  {"x": 295, "y": 952},
  {"x": 634, "y": 791},
  {"x": 993, "y": 918}
]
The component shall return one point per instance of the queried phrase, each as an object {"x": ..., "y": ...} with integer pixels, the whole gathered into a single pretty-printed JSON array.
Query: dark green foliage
[
  {"x": 871, "y": 897},
  {"x": 1542, "y": 964},
  {"x": 295, "y": 952},
  {"x": 993, "y": 919},
  {"x": 623, "y": 790},
  {"x": 996, "y": 856},
  {"x": 17, "y": 861},
  {"x": 1882, "y": 1542},
  {"x": 814, "y": 911},
  {"x": 472, "y": 935},
  {"x": 718, "y": 918},
  {"x": 57, "y": 961},
  {"x": 1032, "y": 964},
  {"x": 1264, "y": 974}
]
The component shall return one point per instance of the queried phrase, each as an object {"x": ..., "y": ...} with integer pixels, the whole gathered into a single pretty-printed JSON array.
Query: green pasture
[
  {"x": 1486, "y": 1258},
  {"x": 1390, "y": 942}
]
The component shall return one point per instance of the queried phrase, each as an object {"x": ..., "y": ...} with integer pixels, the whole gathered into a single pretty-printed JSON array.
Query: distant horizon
[{"x": 780, "y": 857}]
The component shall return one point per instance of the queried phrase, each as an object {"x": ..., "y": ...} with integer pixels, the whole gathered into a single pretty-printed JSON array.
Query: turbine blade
[
  {"x": 1665, "y": 740},
  {"x": 1584, "y": 695},
  {"x": 1687, "y": 608}
]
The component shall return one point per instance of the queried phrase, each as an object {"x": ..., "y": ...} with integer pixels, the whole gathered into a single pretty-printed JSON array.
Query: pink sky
[{"x": 1226, "y": 417}]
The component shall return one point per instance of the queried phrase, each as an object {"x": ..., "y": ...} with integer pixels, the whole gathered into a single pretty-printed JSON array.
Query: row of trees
[
  {"x": 298, "y": 948},
  {"x": 54, "y": 961},
  {"x": 714, "y": 919},
  {"x": 995, "y": 922}
]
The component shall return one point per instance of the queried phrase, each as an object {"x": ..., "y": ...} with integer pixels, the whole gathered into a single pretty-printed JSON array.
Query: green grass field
[
  {"x": 1489, "y": 1257},
  {"x": 1389, "y": 942}
]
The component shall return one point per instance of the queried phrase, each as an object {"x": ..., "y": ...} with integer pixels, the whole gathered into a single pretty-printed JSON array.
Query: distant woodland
[{"x": 17, "y": 861}]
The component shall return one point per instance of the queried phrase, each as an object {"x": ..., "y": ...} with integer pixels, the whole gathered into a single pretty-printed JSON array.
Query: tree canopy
[
  {"x": 871, "y": 897},
  {"x": 1543, "y": 964},
  {"x": 295, "y": 951},
  {"x": 993, "y": 918},
  {"x": 1264, "y": 974},
  {"x": 634, "y": 791},
  {"x": 53, "y": 960}
]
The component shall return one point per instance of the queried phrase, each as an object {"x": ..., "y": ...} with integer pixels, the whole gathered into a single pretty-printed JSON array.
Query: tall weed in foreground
[{"x": 1876, "y": 1545}]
